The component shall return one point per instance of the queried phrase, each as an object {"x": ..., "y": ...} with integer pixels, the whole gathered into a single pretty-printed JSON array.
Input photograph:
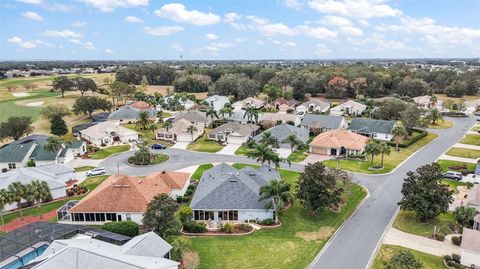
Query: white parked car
[{"x": 96, "y": 172}]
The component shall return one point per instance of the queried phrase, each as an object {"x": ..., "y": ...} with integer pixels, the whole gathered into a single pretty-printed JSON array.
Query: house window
[
  {"x": 129, "y": 217},
  {"x": 111, "y": 216},
  {"x": 209, "y": 215},
  {"x": 222, "y": 215},
  {"x": 233, "y": 215},
  {"x": 12, "y": 166}
]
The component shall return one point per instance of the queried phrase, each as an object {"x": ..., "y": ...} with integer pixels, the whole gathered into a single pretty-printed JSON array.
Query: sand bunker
[
  {"x": 35, "y": 103},
  {"x": 21, "y": 94}
]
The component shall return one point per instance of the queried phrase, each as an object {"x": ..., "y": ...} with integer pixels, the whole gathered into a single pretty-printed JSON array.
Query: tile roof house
[
  {"x": 470, "y": 247},
  {"x": 323, "y": 123},
  {"x": 217, "y": 101},
  {"x": 146, "y": 251},
  {"x": 281, "y": 133},
  {"x": 282, "y": 105},
  {"x": 234, "y": 133},
  {"x": 121, "y": 197},
  {"x": 225, "y": 193},
  {"x": 349, "y": 107},
  {"x": 179, "y": 131},
  {"x": 108, "y": 133},
  {"x": 376, "y": 129},
  {"x": 313, "y": 105},
  {"x": 338, "y": 142},
  {"x": 129, "y": 113},
  {"x": 18, "y": 153},
  {"x": 56, "y": 175},
  {"x": 249, "y": 102},
  {"x": 278, "y": 118}
]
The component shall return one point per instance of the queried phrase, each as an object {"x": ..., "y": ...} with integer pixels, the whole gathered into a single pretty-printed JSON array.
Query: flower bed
[{"x": 226, "y": 229}]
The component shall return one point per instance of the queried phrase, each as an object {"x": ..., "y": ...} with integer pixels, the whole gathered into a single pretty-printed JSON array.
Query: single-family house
[
  {"x": 121, "y": 197},
  {"x": 313, "y": 105},
  {"x": 217, "y": 101},
  {"x": 108, "y": 133},
  {"x": 376, "y": 129},
  {"x": 82, "y": 126},
  {"x": 129, "y": 113},
  {"x": 282, "y": 105},
  {"x": 179, "y": 131},
  {"x": 186, "y": 103},
  {"x": 338, "y": 142},
  {"x": 470, "y": 248},
  {"x": 473, "y": 197},
  {"x": 18, "y": 153},
  {"x": 349, "y": 107},
  {"x": 425, "y": 102},
  {"x": 279, "y": 118},
  {"x": 323, "y": 123},
  {"x": 249, "y": 102},
  {"x": 56, "y": 175},
  {"x": 225, "y": 193},
  {"x": 234, "y": 133},
  {"x": 238, "y": 115},
  {"x": 194, "y": 117},
  {"x": 86, "y": 250},
  {"x": 282, "y": 132}
]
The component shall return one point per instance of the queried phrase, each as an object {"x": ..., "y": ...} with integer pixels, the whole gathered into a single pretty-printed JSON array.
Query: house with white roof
[
  {"x": 249, "y": 102},
  {"x": 314, "y": 105},
  {"x": 108, "y": 133},
  {"x": 217, "y": 101},
  {"x": 349, "y": 107},
  {"x": 234, "y": 133}
]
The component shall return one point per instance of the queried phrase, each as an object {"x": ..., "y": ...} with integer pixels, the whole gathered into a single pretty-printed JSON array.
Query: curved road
[{"x": 355, "y": 242}]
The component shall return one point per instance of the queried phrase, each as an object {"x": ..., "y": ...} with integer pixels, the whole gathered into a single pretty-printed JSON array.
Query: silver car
[{"x": 96, "y": 172}]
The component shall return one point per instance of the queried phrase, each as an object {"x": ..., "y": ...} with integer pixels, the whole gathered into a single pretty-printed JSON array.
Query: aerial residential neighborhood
[{"x": 285, "y": 134}]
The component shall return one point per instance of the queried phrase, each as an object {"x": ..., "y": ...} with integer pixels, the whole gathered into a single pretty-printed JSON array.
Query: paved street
[{"x": 355, "y": 242}]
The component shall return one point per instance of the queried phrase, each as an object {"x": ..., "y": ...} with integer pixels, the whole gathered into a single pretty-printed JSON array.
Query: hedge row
[{"x": 406, "y": 144}]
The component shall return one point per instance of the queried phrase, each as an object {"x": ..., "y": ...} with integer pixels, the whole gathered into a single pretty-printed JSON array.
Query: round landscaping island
[{"x": 156, "y": 158}]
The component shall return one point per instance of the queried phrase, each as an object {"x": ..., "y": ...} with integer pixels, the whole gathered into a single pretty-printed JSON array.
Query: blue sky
[{"x": 238, "y": 29}]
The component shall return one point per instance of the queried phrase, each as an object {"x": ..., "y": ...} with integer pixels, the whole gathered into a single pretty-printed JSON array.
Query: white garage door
[{"x": 236, "y": 140}]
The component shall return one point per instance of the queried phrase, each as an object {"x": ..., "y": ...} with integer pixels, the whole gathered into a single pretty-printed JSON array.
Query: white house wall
[{"x": 468, "y": 258}]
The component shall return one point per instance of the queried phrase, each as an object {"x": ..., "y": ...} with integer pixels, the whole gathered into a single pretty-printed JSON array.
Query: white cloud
[
  {"x": 35, "y": 2},
  {"x": 111, "y": 5},
  {"x": 361, "y": 9},
  {"x": 28, "y": 45},
  {"x": 15, "y": 39},
  {"x": 260, "y": 42},
  {"x": 177, "y": 47},
  {"x": 231, "y": 17},
  {"x": 133, "y": 19},
  {"x": 294, "y": 4},
  {"x": 351, "y": 31},
  {"x": 322, "y": 49},
  {"x": 270, "y": 29},
  {"x": 88, "y": 45},
  {"x": 50, "y": 5},
  {"x": 46, "y": 44},
  {"x": 291, "y": 44},
  {"x": 79, "y": 24},
  {"x": 163, "y": 30},
  {"x": 217, "y": 46},
  {"x": 177, "y": 12},
  {"x": 240, "y": 39},
  {"x": 34, "y": 16},
  {"x": 64, "y": 33},
  {"x": 318, "y": 32},
  {"x": 108, "y": 51},
  {"x": 336, "y": 21},
  {"x": 211, "y": 36},
  {"x": 276, "y": 42}
]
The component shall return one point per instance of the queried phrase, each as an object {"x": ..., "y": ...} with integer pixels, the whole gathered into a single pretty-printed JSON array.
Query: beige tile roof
[
  {"x": 340, "y": 138},
  {"x": 471, "y": 240},
  {"x": 140, "y": 105}
]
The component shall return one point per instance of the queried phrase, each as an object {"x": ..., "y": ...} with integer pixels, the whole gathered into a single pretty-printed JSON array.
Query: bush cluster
[
  {"x": 127, "y": 228},
  {"x": 457, "y": 240},
  {"x": 194, "y": 227}
]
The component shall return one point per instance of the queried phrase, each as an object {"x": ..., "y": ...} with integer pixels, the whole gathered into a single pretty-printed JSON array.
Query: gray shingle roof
[
  {"x": 224, "y": 187},
  {"x": 329, "y": 122},
  {"x": 282, "y": 131},
  {"x": 129, "y": 112},
  {"x": 192, "y": 116},
  {"x": 242, "y": 129},
  {"x": 369, "y": 126},
  {"x": 237, "y": 115}
]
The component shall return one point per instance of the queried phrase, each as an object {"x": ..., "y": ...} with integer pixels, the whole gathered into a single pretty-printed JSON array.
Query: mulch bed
[{"x": 18, "y": 223}]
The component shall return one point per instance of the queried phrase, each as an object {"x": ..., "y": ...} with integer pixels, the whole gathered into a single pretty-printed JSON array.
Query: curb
[{"x": 324, "y": 248}]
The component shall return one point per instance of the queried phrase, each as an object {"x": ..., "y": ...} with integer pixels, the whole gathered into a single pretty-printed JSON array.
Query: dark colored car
[{"x": 158, "y": 146}]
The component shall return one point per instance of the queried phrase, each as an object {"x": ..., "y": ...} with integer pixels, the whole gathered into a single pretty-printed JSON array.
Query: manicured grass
[
  {"x": 441, "y": 124},
  {"x": 146, "y": 134},
  {"x": 200, "y": 169},
  {"x": 408, "y": 222},
  {"x": 83, "y": 168},
  {"x": 471, "y": 139},
  {"x": 387, "y": 251},
  {"x": 93, "y": 182},
  {"x": 160, "y": 158},
  {"x": 453, "y": 184},
  {"x": 105, "y": 152},
  {"x": 242, "y": 150},
  {"x": 297, "y": 156},
  {"x": 390, "y": 162},
  {"x": 204, "y": 145},
  {"x": 292, "y": 245},
  {"x": 463, "y": 152},
  {"x": 476, "y": 128},
  {"x": 9, "y": 108},
  {"x": 447, "y": 163}
]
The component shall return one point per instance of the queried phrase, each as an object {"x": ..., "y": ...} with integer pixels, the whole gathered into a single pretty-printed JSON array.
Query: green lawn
[
  {"x": 146, "y": 134},
  {"x": 297, "y": 156},
  {"x": 390, "y": 162},
  {"x": 476, "y": 128},
  {"x": 93, "y": 182},
  {"x": 242, "y": 150},
  {"x": 453, "y": 184},
  {"x": 83, "y": 168},
  {"x": 204, "y": 145},
  {"x": 105, "y": 152},
  {"x": 441, "y": 124},
  {"x": 200, "y": 169},
  {"x": 408, "y": 222},
  {"x": 387, "y": 251},
  {"x": 9, "y": 108},
  {"x": 463, "y": 152},
  {"x": 447, "y": 163},
  {"x": 471, "y": 139},
  {"x": 292, "y": 245},
  {"x": 160, "y": 158}
]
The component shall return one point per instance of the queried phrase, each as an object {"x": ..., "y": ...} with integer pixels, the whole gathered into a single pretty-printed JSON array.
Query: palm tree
[
  {"x": 167, "y": 125},
  {"x": 143, "y": 120},
  {"x": 279, "y": 193},
  {"x": 41, "y": 192},
  {"x": 384, "y": 150},
  {"x": 372, "y": 148},
  {"x": 262, "y": 153},
  {"x": 398, "y": 131},
  {"x": 191, "y": 129},
  {"x": 53, "y": 144},
  {"x": 293, "y": 141},
  {"x": 269, "y": 139},
  {"x": 251, "y": 114},
  {"x": 434, "y": 116},
  {"x": 152, "y": 127},
  {"x": 4, "y": 200},
  {"x": 17, "y": 192},
  {"x": 226, "y": 110},
  {"x": 433, "y": 100},
  {"x": 212, "y": 113}
]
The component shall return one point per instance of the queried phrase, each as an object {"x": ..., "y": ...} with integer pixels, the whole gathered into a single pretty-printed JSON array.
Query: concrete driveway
[
  {"x": 313, "y": 158},
  {"x": 283, "y": 153},
  {"x": 180, "y": 145},
  {"x": 229, "y": 149}
]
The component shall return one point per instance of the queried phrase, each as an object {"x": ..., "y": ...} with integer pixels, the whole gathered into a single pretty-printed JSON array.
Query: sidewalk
[
  {"x": 458, "y": 159},
  {"x": 420, "y": 243},
  {"x": 466, "y": 146}
]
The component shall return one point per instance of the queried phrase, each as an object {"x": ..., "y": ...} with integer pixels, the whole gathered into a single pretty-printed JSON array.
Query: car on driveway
[
  {"x": 96, "y": 172},
  {"x": 453, "y": 175},
  {"x": 158, "y": 146}
]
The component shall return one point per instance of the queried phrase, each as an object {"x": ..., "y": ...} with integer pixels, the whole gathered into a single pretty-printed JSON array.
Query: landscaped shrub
[
  {"x": 185, "y": 213},
  {"x": 128, "y": 228},
  {"x": 456, "y": 258},
  {"x": 179, "y": 199},
  {"x": 447, "y": 258},
  {"x": 267, "y": 222},
  {"x": 194, "y": 227},
  {"x": 457, "y": 167},
  {"x": 440, "y": 237},
  {"x": 227, "y": 228},
  {"x": 31, "y": 163},
  {"x": 186, "y": 199},
  {"x": 456, "y": 240},
  {"x": 406, "y": 144},
  {"x": 242, "y": 228}
]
